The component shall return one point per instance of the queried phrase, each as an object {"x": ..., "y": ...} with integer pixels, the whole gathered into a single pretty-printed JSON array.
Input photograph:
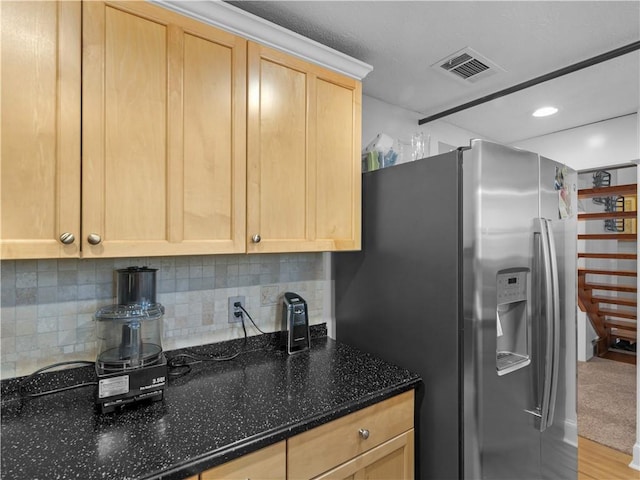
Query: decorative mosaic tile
[{"x": 47, "y": 306}]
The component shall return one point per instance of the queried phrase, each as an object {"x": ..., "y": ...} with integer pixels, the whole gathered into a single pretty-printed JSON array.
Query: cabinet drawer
[
  {"x": 391, "y": 460},
  {"x": 316, "y": 451},
  {"x": 266, "y": 464}
]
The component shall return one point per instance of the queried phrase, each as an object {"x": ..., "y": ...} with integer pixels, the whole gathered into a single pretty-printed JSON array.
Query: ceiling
[{"x": 403, "y": 39}]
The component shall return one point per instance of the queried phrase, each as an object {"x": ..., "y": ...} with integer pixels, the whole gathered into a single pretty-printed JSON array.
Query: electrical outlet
[{"x": 233, "y": 309}]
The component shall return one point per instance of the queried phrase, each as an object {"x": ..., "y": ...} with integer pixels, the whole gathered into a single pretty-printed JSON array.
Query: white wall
[
  {"x": 398, "y": 123},
  {"x": 606, "y": 143}
]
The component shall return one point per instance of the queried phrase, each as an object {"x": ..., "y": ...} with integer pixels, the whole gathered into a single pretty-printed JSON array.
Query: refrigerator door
[
  {"x": 558, "y": 203},
  {"x": 500, "y": 208}
]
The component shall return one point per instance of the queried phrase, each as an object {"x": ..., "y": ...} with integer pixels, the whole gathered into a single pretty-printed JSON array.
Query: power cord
[
  {"x": 21, "y": 384},
  {"x": 239, "y": 305},
  {"x": 180, "y": 362}
]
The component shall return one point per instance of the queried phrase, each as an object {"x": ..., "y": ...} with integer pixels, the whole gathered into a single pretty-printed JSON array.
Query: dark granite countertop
[{"x": 216, "y": 412}]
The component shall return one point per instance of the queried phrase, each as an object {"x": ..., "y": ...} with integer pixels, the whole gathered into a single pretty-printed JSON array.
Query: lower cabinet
[
  {"x": 376, "y": 442},
  {"x": 266, "y": 464},
  {"x": 378, "y": 439},
  {"x": 392, "y": 459}
]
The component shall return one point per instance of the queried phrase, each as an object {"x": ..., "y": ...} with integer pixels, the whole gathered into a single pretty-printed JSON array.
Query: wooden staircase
[{"x": 608, "y": 295}]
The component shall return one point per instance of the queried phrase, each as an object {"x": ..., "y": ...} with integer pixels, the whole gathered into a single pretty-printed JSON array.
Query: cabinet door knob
[
  {"x": 67, "y": 238},
  {"x": 256, "y": 238},
  {"x": 94, "y": 239},
  {"x": 364, "y": 433}
]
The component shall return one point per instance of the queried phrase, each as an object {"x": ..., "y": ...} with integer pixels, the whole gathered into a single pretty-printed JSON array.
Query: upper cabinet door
[
  {"x": 164, "y": 159},
  {"x": 303, "y": 144},
  {"x": 338, "y": 166},
  {"x": 40, "y": 124}
]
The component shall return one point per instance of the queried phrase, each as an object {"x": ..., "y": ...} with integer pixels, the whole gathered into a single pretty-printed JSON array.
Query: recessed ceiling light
[{"x": 545, "y": 111}]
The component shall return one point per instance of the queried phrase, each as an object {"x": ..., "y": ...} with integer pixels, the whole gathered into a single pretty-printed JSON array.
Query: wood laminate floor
[{"x": 597, "y": 462}]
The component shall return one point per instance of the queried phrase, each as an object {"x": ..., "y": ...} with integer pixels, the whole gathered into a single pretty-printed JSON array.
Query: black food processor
[{"x": 131, "y": 365}]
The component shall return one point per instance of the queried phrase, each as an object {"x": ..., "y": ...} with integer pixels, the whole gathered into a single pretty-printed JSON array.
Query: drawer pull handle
[
  {"x": 67, "y": 238},
  {"x": 94, "y": 239},
  {"x": 256, "y": 238},
  {"x": 364, "y": 433}
]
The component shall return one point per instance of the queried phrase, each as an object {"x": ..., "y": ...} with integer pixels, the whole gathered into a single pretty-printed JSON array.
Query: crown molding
[{"x": 232, "y": 19}]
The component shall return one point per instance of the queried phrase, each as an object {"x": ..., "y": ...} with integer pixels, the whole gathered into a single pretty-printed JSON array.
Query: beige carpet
[{"x": 607, "y": 403}]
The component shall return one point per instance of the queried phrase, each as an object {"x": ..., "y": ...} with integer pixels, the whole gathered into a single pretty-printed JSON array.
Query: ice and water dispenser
[{"x": 512, "y": 320}]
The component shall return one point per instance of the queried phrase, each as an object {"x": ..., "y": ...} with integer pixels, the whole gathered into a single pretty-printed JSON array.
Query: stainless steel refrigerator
[{"x": 467, "y": 276}]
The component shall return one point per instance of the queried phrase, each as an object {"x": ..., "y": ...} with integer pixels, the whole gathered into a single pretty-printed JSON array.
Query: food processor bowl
[{"x": 129, "y": 336}]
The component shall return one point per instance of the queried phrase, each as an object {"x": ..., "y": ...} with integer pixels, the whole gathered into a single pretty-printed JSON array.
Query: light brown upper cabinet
[
  {"x": 303, "y": 155},
  {"x": 190, "y": 145},
  {"x": 163, "y": 122},
  {"x": 40, "y": 125}
]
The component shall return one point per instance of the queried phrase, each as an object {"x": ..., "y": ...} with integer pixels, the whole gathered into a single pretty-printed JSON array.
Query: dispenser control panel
[
  {"x": 513, "y": 318},
  {"x": 512, "y": 286}
]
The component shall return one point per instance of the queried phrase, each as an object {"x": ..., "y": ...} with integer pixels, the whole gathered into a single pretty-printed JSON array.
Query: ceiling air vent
[{"x": 468, "y": 65}]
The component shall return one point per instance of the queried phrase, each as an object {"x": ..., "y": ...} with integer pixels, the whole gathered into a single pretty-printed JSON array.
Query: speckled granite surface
[{"x": 217, "y": 412}]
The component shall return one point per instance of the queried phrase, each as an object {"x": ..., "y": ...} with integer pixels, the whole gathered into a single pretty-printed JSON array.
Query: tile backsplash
[{"x": 47, "y": 306}]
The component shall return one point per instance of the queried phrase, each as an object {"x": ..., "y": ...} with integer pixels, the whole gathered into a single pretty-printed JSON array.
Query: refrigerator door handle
[
  {"x": 552, "y": 317},
  {"x": 555, "y": 324}
]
